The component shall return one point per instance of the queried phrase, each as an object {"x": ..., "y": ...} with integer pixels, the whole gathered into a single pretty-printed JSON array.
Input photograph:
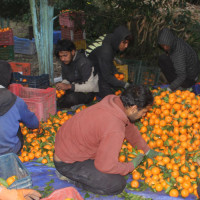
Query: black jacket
[
  {"x": 102, "y": 57},
  {"x": 183, "y": 57},
  {"x": 78, "y": 71}
]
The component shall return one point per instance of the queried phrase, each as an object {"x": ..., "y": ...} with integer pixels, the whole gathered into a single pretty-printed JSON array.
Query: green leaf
[{"x": 86, "y": 195}]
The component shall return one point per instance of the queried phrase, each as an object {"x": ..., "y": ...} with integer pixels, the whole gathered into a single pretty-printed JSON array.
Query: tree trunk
[{"x": 43, "y": 34}]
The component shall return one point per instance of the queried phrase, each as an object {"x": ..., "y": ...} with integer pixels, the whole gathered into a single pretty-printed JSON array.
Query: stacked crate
[
  {"x": 72, "y": 23},
  {"x": 6, "y": 44}
]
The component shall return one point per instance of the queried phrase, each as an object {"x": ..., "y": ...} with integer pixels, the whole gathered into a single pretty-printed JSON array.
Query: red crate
[
  {"x": 71, "y": 34},
  {"x": 72, "y": 19},
  {"x": 40, "y": 101},
  {"x": 22, "y": 68},
  {"x": 6, "y": 38}
]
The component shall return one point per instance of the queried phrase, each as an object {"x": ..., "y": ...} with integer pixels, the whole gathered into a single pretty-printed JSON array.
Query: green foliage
[{"x": 15, "y": 9}]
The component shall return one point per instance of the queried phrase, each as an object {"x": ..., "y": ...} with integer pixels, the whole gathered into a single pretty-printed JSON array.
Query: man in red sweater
[{"x": 87, "y": 146}]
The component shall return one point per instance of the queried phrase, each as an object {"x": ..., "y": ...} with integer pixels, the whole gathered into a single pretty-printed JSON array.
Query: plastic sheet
[{"x": 42, "y": 174}]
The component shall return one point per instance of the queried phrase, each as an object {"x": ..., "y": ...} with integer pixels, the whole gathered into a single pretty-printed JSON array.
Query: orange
[
  {"x": 173, "y": 193},
  {"x": 44, "y": 161},
  {"x": 134, "y": 184},
  {"x": 136, "y": 175},
  {"x": 10, "y": 180},
  {"x": 184, "y": 193}
]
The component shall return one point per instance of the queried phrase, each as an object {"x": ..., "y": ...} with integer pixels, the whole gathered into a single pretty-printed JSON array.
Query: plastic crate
[
  {"x": 123, "y": 69},
  {"x": 41, "y": 81},
  {"x": 148, "y": 75},
  {"x": 6, "y": 52},
  {"x": 72, "y": 34},
  {"x": 40, "y": 101},
  {"x": 6, "y": 38},
  {"x": 22, "y": 68},
  {"x": 24, "y": 46},
  {"x": 72, "y": 19},
  {"x": 56, "y": 36},
  {"x": 80, "y": 44},
  {"x": 10, "y": 166}
]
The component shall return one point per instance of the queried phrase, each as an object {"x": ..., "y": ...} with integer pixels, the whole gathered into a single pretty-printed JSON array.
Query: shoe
[{"x": 64, "y": 178}]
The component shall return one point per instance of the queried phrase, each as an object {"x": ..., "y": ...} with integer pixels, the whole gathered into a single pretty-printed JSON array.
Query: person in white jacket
[{"x": 79, "y": 80}]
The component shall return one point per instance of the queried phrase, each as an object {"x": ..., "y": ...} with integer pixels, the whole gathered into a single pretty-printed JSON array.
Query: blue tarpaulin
[{"x": 42, "y": 174}]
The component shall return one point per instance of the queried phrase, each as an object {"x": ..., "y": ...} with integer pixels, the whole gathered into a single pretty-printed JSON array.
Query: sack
[{"x": 64, "y": 193}]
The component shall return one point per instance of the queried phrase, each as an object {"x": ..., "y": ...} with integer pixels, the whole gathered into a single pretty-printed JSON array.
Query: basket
[
  {"x": 80, "y": 44},
  {"x": 72, "y": 19},
  {"x": 41, "y": 81},
  {"x": 6, "y": 38},
  {"x": 24, "y": 46},
  {"x": 22, "y": 68},
  {"x": 72, "y": 34},
  {"x": 6, "y": 52},
  {"x": 40, "y": 101},
  {"x": 123, "y": 69},
  {"x": 10, "y": 166}
]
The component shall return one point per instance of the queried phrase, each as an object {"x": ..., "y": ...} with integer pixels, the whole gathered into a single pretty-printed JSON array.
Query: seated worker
[
  {"x": 18, "y": 194},
  {"x": 102, "y": 58},
  {"x": 87, "y": 146},
  {"x": 79, "y": 80},
  {"x": 180, "y": 64},
  {"x": 13, "y": 110}
]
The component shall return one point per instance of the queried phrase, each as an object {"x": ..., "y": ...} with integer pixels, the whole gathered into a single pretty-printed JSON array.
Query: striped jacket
[{"x": 183, "y": 57}]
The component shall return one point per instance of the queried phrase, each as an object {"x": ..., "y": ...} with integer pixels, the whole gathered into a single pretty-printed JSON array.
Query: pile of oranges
[
  {"x": 39, "y": 143},
  {"x": 59, "y": 93},
  {"x": 119, "y": 76},
  {"x": 171, "y": 127},
  {"x": 5, "y": 29}
]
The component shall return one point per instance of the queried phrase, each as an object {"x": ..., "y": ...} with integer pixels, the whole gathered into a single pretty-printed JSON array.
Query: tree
[{"x": 42, "y": 18}]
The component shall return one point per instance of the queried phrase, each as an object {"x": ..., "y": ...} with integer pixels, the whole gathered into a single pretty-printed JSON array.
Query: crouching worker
[
  {"x": 88, "y": 145},
  {"x": 13, "y": 110},
  {"x": 18, "y": 194},
  {"x": 79, "y": 79}
]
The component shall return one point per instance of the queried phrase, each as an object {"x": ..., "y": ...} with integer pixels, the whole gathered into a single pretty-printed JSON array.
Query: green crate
[
  {"x": 148, "y": 75},
  {"x": 140, "y": 73},
  {"x": 7, "y": 52},
  {"x": 133, "y": 69}
]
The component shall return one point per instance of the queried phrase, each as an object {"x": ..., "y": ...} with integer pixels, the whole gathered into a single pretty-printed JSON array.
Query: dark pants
[
  {"x": 87, "y": 177},
  {"x": 104, "y": 89},
  {"x": 74, "y": 98},
  {"x": 168, "y": 70},
  {"x": 21, "y": 139}
]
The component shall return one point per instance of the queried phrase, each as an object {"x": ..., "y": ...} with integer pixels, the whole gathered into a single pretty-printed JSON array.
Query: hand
[
  {"x": 136, "y": 161},
  {"x": 63, "y": 86},
  {"x": 151, "y": 153},
  {"x": 19, "y": 194},
  {"x": 28, "y": 194},
  {"x": 126, "y": 85}
]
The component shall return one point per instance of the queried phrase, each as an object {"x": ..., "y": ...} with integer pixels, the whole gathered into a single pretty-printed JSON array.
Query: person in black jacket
[
  {"x": 102, "y": 58},
  {"x": 80, "y": 82},
  {"x": 180, "y": 64}
]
